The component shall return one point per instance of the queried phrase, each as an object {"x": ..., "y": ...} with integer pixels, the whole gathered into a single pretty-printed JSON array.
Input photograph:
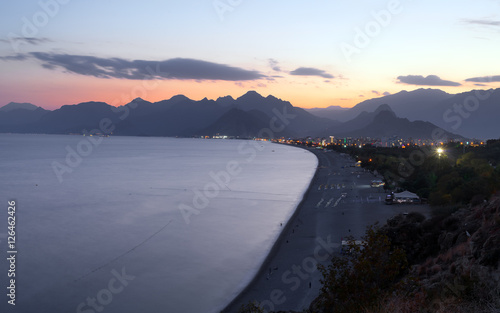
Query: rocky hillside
[
  {"x": 451, "y": 266},
  {"x": 453, "y": 263},
  {"x": 454, "y": 259}
]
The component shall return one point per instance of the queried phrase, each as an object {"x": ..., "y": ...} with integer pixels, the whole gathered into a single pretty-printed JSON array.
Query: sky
[{"x": 313, "y": 53}]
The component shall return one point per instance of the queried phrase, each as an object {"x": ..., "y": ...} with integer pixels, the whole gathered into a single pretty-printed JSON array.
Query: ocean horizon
[{"x": 144, "y": 224}]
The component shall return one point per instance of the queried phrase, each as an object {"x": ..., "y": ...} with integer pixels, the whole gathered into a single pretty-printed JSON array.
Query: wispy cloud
[
  {"x": 274, "y": 65},
  {"x": 310, "y": 71},
  {"x": 484, "y": 79},
  {"x": 177, "y": 68},
  {"x": 484, "y": 22},
  {"x": 431, "y": 80},
  {"x": 28, "y": 40},
  {"x": 16, "y": 57},
  {"x": 378, "y": 93}
]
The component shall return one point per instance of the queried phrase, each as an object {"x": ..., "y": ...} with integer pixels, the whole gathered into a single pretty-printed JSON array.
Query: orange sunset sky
[{"x": 313, "y": 54}]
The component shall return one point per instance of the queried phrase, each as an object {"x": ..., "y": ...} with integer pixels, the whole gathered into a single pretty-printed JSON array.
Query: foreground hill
[{"x": 451, "y": 265}]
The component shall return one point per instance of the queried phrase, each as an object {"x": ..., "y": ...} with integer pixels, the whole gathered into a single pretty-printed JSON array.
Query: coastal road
[{"x": 339, "y": 203}]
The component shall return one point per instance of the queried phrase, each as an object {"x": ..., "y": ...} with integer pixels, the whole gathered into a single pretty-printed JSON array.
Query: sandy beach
[{"x": 338, "y": 203}]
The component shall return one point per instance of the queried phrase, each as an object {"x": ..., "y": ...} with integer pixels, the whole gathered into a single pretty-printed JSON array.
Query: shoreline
[
  {"x": 277, "y": 244},
  {"x": 288, "y": 279}
]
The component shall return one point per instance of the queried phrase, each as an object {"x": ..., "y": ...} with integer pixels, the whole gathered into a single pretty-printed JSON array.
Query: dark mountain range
[
  {"x": 178, "y": 116},
  {"x": 414, "y": 105},
  {"x": 386, "y": 124},
  {"x": 471, "y": 114},
  {"x": 74, "y": 118},
  {"x": 360, "y": 121},
  {"x": 247, "y": 116},
  {"x": 15, "y": 106},
  {"x": 331, "y": 112},
  {"x": 383, "y": 122},
  {"x": 239, "y": 123},
  {"x": 14, "y": 119}
]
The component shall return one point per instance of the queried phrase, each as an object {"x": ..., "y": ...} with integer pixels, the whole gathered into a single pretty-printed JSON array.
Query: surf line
[{"x": 123, "y": 254}]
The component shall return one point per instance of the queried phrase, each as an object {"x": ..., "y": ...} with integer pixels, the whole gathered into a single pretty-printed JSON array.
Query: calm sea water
[{"x": 128, "y": 224}]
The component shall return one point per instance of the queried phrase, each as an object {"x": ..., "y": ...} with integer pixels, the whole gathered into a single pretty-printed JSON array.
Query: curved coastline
[
  {"x": 322, "y": 218},
  {"x": 233, "y": 305}
]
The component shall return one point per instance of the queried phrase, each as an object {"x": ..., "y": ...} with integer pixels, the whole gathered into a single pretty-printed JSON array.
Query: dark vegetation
[
  {"x": 460, "y": 175},
  {"x": 446, "y": 263}
]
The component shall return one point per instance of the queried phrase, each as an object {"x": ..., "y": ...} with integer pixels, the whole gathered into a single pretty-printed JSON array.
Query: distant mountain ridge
[
  {"x": 177, "y": 116},
  {"x": 472, "y": 114},
  {"x": 16, "y": 106},
  {"x": 250, "y": 115}
]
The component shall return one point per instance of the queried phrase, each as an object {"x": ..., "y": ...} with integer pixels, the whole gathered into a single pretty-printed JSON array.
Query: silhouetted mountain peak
[
  {"x": 384, "y": 107},
  {"x": 179, "y": 98},
  {"x": 271, "y": 97},
  {"x": 430, "y": 91},
  {"x": 385, "y": 115},
  {"x": 15, "y": 106},
  {"x": 225, "y": 101},
  {"x": 226, "y": 98},
  {"x": 139, "y": 100},
  {"x": 90, "y": 104},
  {"x": 251, "y": 95}
]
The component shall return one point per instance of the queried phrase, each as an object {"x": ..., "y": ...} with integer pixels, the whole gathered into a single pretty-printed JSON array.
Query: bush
[{"x": 358, "y": 280}]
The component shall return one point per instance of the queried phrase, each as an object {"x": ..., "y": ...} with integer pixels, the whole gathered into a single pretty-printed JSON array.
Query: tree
[
  {"x": 357, "y": 280},
  {"x": 251, "y": 307}
]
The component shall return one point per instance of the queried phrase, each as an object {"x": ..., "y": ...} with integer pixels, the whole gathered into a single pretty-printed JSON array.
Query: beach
[{"x": 338, "y": 203}]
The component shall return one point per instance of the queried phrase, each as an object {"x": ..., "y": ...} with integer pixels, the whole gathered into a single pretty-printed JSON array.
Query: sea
[{"x": 140, "y": 224}]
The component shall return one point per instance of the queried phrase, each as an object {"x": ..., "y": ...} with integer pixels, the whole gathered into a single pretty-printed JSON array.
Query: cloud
[
  {"x": 480, "y": 85},
  {"x": 310, "y": 71},
  {"x": 28, "y": 40},
  {"x": 431, "y": 80},
  {"x": 178, "y": 68},
  {"x": 484, "y": 22},
  {"x": 381, "y": 94},
  {"x": 484, "y": 79},
  {"x": 17, "y": 57},
  {"x": 274, "y": 65}
]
